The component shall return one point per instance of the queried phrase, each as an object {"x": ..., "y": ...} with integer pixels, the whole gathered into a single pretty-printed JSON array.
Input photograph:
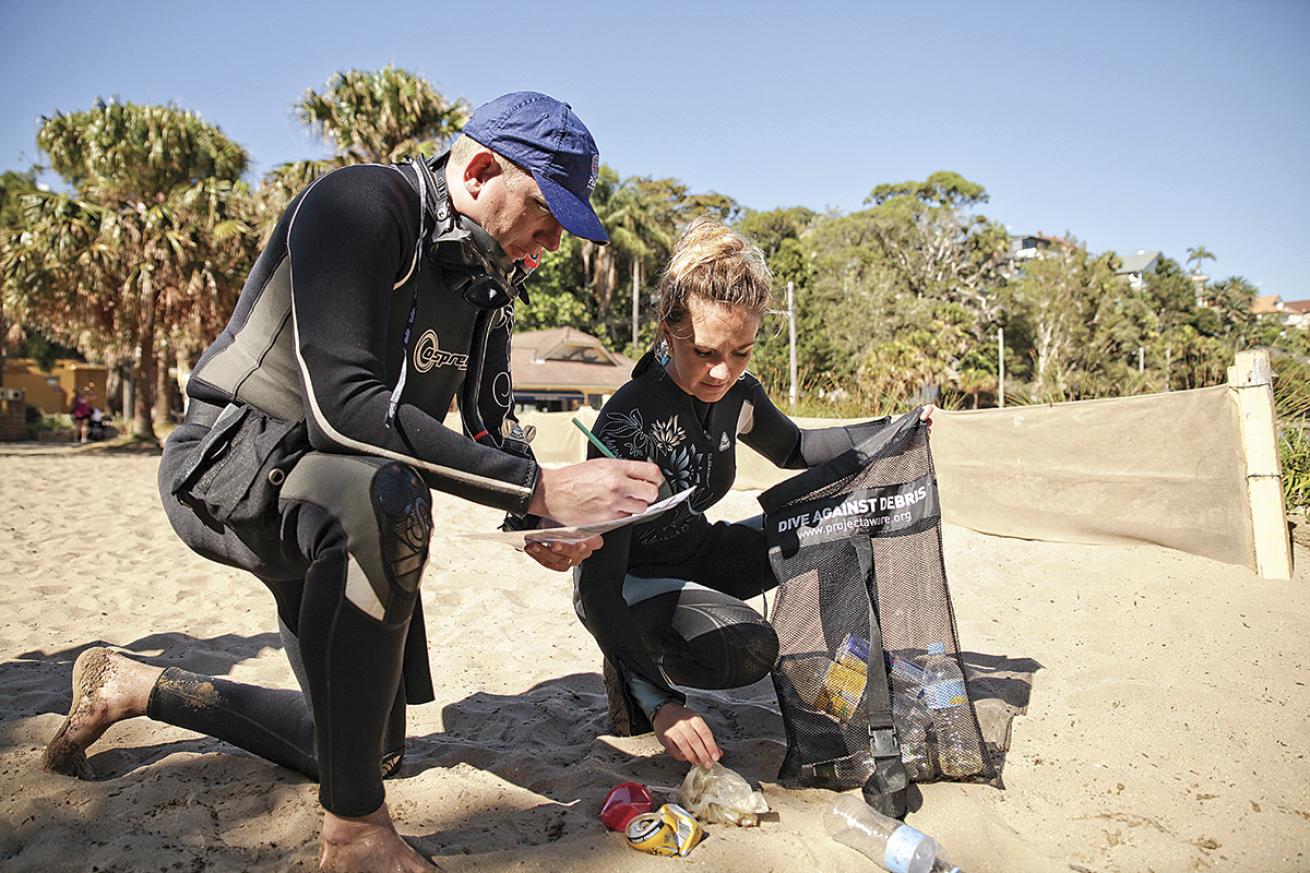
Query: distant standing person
[
  {"x": 314, "y": 432},
  {"x": 81, "y": 409}
]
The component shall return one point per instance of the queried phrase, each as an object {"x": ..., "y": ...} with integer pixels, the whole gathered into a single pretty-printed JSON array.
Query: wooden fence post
[{"x": 1252, "y": 378}]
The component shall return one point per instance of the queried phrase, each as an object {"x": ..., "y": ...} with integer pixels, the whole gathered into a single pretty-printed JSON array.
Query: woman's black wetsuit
[{"x": 664, "y": 598}]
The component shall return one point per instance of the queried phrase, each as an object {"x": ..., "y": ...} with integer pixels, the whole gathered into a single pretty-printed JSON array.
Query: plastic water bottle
[
  {"x": 912, "y": 718},
  {"x": 894, "y": 845},
  {"x": 958, "y": 754}
]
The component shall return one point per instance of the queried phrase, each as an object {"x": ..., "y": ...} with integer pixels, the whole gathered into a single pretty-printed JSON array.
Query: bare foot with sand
[
  {"x": 107, "y": 688},
  {"x": 368, "y": 844}
]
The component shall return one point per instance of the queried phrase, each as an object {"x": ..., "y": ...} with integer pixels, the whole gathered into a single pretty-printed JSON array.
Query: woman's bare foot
[
  {"x": 368, "y": 844},
  {"x": 107, "y": 688}
]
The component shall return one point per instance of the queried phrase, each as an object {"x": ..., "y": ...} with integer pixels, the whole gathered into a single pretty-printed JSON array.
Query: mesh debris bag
[{"x": 868, "y": 644}]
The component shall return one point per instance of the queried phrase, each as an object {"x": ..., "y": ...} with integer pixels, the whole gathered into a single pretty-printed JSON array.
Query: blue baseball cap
[{"x": 542, "y": 135}]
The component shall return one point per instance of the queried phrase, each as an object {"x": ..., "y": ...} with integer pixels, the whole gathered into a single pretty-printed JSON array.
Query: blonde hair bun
[{"x": 711, "y": 261}]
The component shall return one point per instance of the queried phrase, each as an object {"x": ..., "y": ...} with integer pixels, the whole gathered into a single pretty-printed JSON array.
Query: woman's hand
[
  {"x": 926, "y": 415},
  {"x": 685, "y": 735},
  {"x": 562, "y": 556}
]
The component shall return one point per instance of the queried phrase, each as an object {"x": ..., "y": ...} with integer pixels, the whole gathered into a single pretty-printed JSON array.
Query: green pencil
[{"x": 594, "y": 440}]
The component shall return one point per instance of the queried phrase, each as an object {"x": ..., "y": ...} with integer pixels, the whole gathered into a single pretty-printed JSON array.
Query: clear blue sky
[{"x": 1146, "y": 125}]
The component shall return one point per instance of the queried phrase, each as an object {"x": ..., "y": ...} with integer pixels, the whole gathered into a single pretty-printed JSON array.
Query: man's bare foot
[
  {"x": 107, "y": 688},
  {"x": 368, "y": 844}
]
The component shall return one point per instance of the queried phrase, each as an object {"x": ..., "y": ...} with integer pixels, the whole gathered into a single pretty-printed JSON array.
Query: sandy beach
[{"x": 1167, "y": 722}]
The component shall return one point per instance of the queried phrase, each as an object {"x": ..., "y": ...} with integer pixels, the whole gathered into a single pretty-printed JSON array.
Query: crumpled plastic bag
[{"x": 721, "y": 795}]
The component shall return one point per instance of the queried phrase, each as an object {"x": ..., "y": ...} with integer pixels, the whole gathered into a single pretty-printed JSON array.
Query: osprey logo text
[
  {"x": 725, "y": 443},
  {"x": 427, "y": 354}
]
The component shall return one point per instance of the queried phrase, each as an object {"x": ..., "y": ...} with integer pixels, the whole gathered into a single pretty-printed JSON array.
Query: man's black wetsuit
[
  {"x": 343, "y": 294},
  {"x": 664, "y": 599}
]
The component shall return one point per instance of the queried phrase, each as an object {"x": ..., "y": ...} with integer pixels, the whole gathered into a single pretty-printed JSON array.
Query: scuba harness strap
[{"x": 473, "y": 265}]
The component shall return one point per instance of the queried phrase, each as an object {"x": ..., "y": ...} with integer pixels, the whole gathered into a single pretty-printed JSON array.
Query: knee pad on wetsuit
[
  {"x": 707, "y": 639},
  {"x": 743, "y": 653},
  {"x": 385, "y": 511},
  {"x": 402, "y": 506}
]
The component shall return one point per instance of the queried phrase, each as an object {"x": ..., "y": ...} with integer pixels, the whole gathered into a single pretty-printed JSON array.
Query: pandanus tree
[
  {"x": 13, "y": 188},
  {"x": 365, "y": 116},
  {"x": 146, "y": 252}
]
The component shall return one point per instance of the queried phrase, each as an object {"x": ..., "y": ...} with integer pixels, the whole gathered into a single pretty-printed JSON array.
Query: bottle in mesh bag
[
  {"x": 912, "y": 718},
  {"x": 958, "y": 754}
]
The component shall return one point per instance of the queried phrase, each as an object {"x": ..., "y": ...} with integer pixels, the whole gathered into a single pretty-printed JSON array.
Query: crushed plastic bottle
[
  {"x": 947, "y": 698},
  {"x": 893, "y": 845},
  {"x": 719, "y": 794}
]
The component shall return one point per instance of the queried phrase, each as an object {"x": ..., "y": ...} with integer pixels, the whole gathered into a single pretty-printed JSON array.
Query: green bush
[{"x": 1292, "y": 407}]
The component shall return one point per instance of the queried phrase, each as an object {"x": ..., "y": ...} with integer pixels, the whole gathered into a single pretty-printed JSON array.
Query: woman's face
[{"x": 711, "y": 347}]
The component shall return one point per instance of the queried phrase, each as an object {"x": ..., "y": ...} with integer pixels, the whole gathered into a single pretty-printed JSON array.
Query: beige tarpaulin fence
[{"x": 1167, "y": 469}]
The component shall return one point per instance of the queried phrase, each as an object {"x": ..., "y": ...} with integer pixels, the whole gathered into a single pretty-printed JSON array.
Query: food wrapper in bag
[{"x": 720, "y": 795}]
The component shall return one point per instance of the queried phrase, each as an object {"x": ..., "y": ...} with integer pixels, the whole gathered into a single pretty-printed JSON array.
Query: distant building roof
[
  {"x": 567, "y": 358},
  {"x": 1266, "y": 305},
  {"x": 1138, "y": 263},
  {"x": 1300, "y": 307}
]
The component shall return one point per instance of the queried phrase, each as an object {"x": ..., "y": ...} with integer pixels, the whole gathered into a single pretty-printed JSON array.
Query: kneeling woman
[{"x": 664, "y": 599}]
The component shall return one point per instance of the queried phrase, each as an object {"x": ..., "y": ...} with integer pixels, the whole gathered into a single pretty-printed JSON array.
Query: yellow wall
[{"x": 52, "y": 392}]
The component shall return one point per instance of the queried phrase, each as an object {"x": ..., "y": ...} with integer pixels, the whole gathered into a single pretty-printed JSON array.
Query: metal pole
[
  {"x": 636, "y": 300},
  {"x": 791, "y": 343},
  {"x": 1000, "y": 341}
]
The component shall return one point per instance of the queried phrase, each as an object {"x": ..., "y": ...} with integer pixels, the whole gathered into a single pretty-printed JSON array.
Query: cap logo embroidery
[{"x": 595, "y": 173}]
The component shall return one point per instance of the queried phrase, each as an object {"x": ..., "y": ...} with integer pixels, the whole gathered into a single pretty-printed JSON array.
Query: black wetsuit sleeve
[
  {"x": 351, "y": 240},
  {"x": 774, "y": 435}
]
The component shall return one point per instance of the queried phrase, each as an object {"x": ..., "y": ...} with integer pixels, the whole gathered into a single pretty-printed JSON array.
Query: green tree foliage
[
  {"x": 147, "y": 252},
  {"x": 1063, "y": 308},
  {"x": 13, "y": 187},
  {"x": 778, "y": 233},
  {"x": 365, "y": 116},
  {"x": 382, "y": 116}
]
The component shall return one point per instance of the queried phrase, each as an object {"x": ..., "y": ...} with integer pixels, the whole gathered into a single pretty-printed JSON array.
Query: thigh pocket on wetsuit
[{"x": 237, "y": 469}]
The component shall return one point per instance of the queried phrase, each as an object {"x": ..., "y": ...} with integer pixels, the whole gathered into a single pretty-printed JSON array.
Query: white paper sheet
[{"x": 576, "y": 533}]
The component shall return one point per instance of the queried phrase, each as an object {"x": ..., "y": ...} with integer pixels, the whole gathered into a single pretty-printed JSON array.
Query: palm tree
[
  {"x": 1198, "y": 255},
  {"x": 377, "y": 116},
  {"x": 148, "y": 249},
  {"x": 641, "y": 226}
]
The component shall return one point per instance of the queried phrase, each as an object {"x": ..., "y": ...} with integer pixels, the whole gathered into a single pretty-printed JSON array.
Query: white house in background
[
  {"x": 1296, "y": 313},
  {"x": 1135, "y": 267},
  {"x": 1026, "y": 246}
]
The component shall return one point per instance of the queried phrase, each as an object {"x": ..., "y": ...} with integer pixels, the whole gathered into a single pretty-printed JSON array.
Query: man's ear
[{"x": 480, "y": 169}]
